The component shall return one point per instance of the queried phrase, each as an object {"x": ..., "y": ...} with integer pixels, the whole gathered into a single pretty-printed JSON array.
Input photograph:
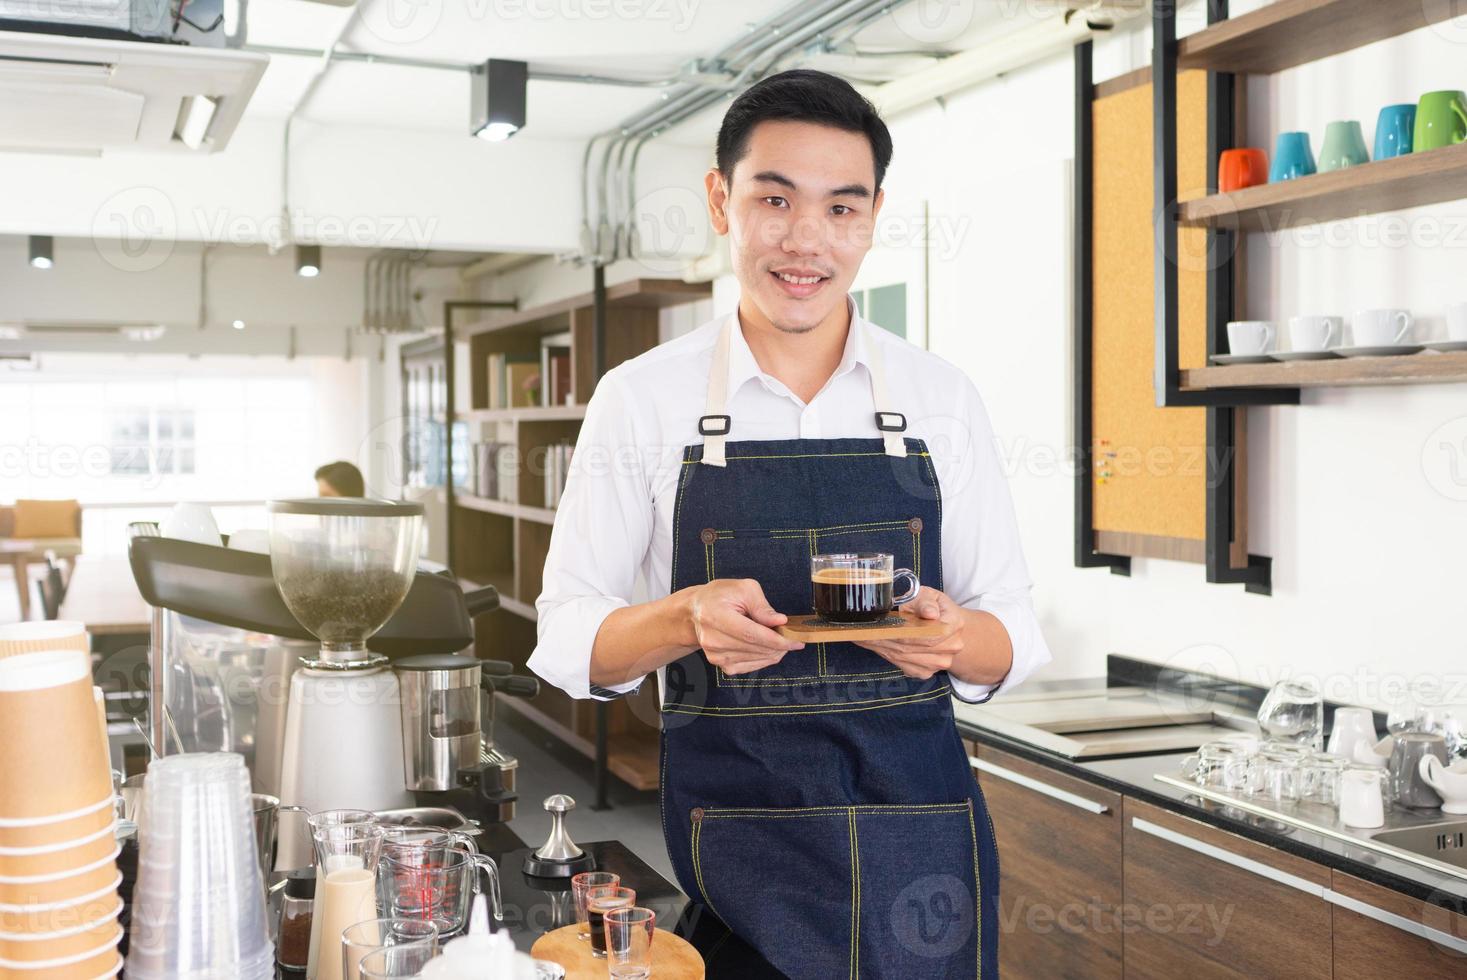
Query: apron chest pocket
[
  {"x": 872, "y": 890},
  {"x": 779, "y": 560}
]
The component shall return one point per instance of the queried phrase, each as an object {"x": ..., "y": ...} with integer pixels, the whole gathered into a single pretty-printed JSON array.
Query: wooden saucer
[
  {"x": 900, "y": 625},
  {"x": 673, "y": 957}
]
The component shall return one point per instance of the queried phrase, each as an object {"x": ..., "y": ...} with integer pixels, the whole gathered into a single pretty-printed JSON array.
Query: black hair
[
  {"x": 344, "y": 478},
  {"x": 801, "y": 95}
]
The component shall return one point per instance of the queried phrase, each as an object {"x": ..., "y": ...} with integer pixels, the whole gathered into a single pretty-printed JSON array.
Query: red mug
[{"x": 1241, "y": 168}]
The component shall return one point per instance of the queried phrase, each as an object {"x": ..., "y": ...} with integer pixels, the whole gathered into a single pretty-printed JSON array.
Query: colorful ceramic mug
[
  {"x": 1394, "y": 131},
  {"x": 1291, "y": 158},
  {"x": 1344, "y": 146},
  {"x": 1243, "y": 167},
  {"x": 1441, "y": 120}
]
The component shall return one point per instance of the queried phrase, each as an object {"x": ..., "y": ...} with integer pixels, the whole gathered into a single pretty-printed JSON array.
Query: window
[
  {"x": 885, "y": 306},
  {"x": 148, "y": 441}
]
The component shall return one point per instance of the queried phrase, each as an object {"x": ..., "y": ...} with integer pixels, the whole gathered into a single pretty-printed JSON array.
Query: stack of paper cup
[
  {"x": 34, "y": 636},
  {"x": 58, "y": 848},
  {"x": 198, "y": 908}
]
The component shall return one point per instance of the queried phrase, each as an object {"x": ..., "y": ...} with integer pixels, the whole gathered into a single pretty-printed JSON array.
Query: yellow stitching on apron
[
  {"x": 855, "y": 892},
  {"x": 708, "y": 559},
  {"x": 856, "y": 906},
  {"x": 865, "y": 809},
  {"x": 677, "y": 515},
  {"x": 917, "y": 555},
  {"x": 937, "y": 492},
  {"x": 834, "y": 708},
  {"x": 691, "y": 462},
  {"x": 698, "y": 864},
  {"x": 977, "y": 889}
]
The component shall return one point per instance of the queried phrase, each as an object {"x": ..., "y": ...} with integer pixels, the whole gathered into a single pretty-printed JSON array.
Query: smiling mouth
[{"x": 797, "y": 286}]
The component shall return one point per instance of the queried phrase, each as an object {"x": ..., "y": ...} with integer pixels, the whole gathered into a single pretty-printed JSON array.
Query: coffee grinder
[
  {"x": 446, "y": 747},
  {"x": 342, "y": 567}
]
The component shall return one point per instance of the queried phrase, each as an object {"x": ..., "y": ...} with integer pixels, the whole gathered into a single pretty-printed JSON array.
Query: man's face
[{"x": 799, "y": 210}]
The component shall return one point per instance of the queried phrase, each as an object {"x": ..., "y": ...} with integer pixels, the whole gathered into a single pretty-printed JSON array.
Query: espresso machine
[{"x": 343, "y": 572}]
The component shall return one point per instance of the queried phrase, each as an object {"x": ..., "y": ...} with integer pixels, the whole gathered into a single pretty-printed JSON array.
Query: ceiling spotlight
[
  {"x": 497, "y": 99},
  {"x": 308, "y": 261},
  {"x": 238, "y": 324},
  {"x": 41, "y": 252}
]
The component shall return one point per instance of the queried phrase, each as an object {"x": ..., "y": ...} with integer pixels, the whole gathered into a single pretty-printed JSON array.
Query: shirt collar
[{"x": 742, "y": 366}]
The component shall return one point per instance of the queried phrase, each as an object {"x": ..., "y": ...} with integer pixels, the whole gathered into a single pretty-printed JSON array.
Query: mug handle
[
  {"x": 1404, "y": 319},
  {"x": 485, "y": 863},
  {"x": 1329, "y": 333},
  {"x": 1461, "y": 112},
  {"x": 1267, "y": 335},
  {"x": 911, "y": 593},
  {"x": 1429, "y": 769}
]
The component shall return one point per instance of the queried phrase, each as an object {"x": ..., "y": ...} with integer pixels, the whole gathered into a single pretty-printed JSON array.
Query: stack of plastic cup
[
  {"x": 198, "y": 909},
  {"x": 58, "y": 848},
  {"x": 38, "y": 635}
]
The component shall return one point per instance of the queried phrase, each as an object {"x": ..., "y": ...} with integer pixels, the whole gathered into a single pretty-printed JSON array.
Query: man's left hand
[{"x": 923, "y": 657}]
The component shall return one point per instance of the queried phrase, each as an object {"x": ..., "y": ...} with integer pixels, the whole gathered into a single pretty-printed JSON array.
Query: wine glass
[{"x": 1293, "y": 712}]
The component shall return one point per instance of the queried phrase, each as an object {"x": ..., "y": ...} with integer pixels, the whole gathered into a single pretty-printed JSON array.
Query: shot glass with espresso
[{"x": 858, "y": 587}]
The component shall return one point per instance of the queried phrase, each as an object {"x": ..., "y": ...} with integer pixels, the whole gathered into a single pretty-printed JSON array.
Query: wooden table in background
[{"x": 103, "y": 595}]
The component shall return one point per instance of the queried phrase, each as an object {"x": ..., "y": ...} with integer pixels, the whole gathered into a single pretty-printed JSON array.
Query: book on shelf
[
  {"x": 557, "y": 468},
  {"x": 492, "y": 474},
  {"x": 502, "y": 389},
  {"x": 555, "y": 369}
]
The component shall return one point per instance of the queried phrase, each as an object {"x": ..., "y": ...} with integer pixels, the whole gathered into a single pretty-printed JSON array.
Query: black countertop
[{"x": 1133, "y": 776}]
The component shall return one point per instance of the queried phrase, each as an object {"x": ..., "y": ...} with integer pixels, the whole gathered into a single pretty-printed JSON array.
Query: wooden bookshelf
[
  {"x": 1430, "y": 177},
  {"x": 504, "y": 542},
  {"x": 1288, "y": 33},
  {"x": 1426, "y": 367}
]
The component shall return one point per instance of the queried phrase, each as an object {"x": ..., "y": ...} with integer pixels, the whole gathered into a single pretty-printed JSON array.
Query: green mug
[{"x": 1441, "y": 120}]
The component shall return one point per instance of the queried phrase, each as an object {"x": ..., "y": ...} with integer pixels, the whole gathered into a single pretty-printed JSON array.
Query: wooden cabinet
[
  {"x": 1059, "y": 845},
  {"x": 1202, "y": 903},
  {"x": 1381, "y": 933}
]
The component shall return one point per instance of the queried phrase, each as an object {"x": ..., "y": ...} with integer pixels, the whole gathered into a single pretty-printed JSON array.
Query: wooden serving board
[
  {"x": 900, "y": 625},
  {"x": 673, "y": 957}
]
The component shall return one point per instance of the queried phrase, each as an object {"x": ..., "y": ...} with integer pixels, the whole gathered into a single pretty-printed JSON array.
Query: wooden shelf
[
  {"x": 1385, "y": 185},
  {"x": 539, "y": 515},
  {"x": 630, "y": 756},
  {"x": 1288, "y": 33},
  {"x": 634, "y": 293},
  {"x": 545, "y": 413},
  {"x": 1427, "y": 367}
]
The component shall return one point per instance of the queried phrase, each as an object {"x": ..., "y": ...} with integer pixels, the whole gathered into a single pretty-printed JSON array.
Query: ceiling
[{"x": 652, "y": 39}]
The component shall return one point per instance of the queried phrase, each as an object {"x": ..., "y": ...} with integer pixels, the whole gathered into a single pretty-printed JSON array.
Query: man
[
  {"x": 816, "y": 797},
  {"x": 340, "y": 479}
]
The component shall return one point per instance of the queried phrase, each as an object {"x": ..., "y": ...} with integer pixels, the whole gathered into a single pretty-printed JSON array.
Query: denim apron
[{"x": 823, "y": 808}]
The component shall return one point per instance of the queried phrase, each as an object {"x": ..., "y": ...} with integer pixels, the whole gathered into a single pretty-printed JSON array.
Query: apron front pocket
[{"x": 867, "y": 890}]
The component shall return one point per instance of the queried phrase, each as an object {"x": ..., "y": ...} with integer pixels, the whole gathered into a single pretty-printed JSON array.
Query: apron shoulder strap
[{"x": 715, "y": 423}]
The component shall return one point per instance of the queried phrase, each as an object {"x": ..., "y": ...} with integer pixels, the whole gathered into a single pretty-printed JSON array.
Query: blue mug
[
  {"x": 1291, "y": 158},
  {"x": 1394, "y": 131}
]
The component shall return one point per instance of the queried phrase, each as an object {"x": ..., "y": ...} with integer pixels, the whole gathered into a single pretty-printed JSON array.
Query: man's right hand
[{"x": 734, "y": 625}]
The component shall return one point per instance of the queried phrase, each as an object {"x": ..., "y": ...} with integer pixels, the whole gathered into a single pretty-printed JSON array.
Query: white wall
[{"x": 1359, "y": 495}]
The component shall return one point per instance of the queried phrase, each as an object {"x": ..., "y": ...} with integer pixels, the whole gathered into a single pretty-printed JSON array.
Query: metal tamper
[{"x": 558, "y": 857}]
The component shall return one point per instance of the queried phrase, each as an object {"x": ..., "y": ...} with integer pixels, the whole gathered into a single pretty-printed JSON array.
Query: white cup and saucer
[
  {"x": 1380, "y": 333},
  {"x": 1456, "y": 330},
  {"x": 1313, "y": 338},
  {"x": 1249, "y": 342}
]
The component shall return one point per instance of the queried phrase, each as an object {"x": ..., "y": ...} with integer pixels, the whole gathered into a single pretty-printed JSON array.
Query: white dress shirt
[{"x": 614, "y": 521}]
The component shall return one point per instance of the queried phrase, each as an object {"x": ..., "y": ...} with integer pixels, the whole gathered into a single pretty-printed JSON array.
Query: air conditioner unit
[{"x": 85, "y": 94}]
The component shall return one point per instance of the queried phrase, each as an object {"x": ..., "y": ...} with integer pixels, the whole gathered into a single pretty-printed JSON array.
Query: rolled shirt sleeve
[
  {"x": 983, "y": 559},
  {"x": 603, "y": 528}
]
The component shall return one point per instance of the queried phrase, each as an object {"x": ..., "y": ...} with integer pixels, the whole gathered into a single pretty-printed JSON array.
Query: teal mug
[
  {"x": 1291, "y": 158},
  {"x": 1395, "y": 131},
  {"x": 1441, "y": 120},
  {"x": 1344, "y": 146}
]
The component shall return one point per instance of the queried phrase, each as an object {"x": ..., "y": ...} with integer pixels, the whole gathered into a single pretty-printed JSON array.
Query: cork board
[{"x": 1150, "y": 462}]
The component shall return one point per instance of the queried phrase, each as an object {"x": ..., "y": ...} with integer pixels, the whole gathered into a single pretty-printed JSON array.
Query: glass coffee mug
[{"x": 858, "y": 587}]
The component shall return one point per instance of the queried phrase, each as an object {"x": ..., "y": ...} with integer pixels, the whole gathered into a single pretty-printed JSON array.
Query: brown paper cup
[
  {"x": 52, "y": 634},
  {"x": 54, "y": 760},
  {"x": 60, "y": 889},
  {"x": 59, "y": 860},
  {"x": 62, "y": 918},
  {"x": 53, "y": 831},
  {"x": 99, "y": 967},
  {"x": 45, "y": 947}
]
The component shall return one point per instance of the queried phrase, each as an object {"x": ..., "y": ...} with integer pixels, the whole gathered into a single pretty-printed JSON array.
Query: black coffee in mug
[{"x": 852, "y": 595}]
